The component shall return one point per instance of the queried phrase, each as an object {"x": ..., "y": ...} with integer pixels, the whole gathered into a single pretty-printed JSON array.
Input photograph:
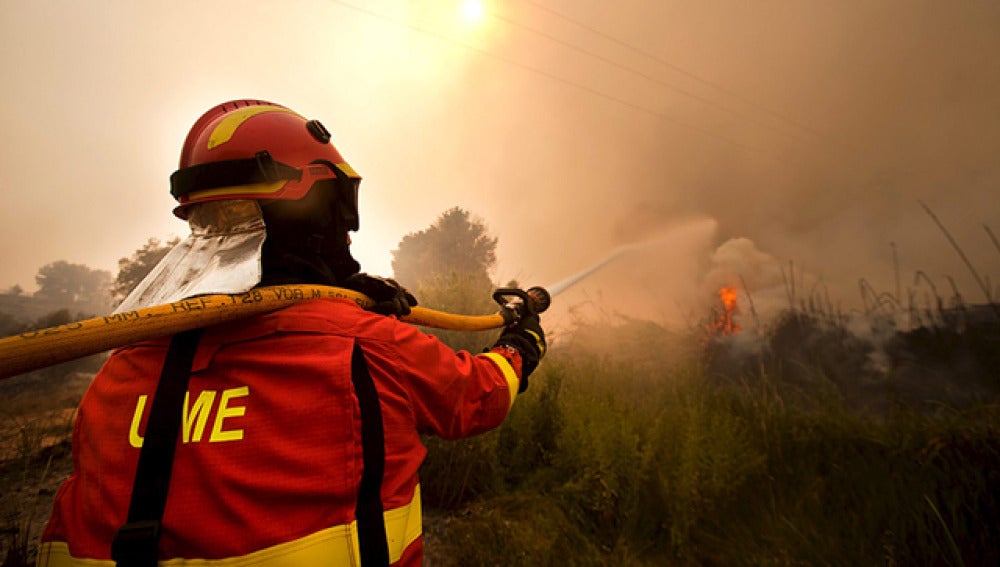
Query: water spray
[{"x": 561, "y": 286}]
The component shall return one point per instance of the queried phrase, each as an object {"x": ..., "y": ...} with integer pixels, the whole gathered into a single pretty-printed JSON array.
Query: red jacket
[{"x": 269, "y": 463}]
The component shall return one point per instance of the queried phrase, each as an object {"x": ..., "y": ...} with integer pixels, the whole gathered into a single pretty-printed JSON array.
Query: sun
[{"x": 472, "y": 11}]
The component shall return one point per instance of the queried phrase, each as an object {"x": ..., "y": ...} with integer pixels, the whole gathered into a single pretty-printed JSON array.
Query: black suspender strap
[
  {"x": 371, "y": 523},
  {"x": 136, "y": 544}
]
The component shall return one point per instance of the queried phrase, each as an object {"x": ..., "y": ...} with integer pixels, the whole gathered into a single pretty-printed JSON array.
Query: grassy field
[
  {"x": 806, "y": 451},
  {"x": 639, "y": 446}
]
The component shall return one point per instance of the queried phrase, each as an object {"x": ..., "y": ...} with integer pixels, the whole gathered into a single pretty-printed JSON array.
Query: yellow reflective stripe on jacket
[
  {"x": 403, "y": 526},
  {"x": 333, "y": 546},
  {"x": 508, "y": 372},
  {"x": 338, "y": 545}
]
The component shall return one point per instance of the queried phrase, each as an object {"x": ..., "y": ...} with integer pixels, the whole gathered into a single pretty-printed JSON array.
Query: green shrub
[
  {"x": 667, "y": 468},
  {"x": 528, "y": 441},
  {"x": 462, "y": 294},
  {"x": 455, "y": 473}
]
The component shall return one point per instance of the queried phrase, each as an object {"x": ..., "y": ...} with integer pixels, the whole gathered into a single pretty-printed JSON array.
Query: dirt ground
[{"x": 36, "y": 417}]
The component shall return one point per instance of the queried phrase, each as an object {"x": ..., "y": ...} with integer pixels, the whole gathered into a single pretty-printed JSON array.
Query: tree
[
  {"x": 67, "y": 283},
  {"x": 133, "y": 269},
  {"x": 448, "y": 267},
  {"x": 9, "y": 325},
  {"x": 454, "y": 244}
]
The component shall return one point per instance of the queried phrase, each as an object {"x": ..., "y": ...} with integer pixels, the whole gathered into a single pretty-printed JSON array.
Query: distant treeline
[{"x": 26, "y": 309}]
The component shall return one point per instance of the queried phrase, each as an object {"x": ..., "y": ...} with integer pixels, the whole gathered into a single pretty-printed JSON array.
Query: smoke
[
  {"x": 840, "y": 124},
  {"x": 654, "y": 277},
  {"x": 806, "y": 132},
  {"x": 671, "y": 271}
]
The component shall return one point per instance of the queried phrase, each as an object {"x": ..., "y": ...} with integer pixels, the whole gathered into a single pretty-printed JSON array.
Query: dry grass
[{"x": 36, "y": 425}]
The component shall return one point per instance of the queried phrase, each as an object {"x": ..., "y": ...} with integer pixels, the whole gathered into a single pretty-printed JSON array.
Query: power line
[
  {"x": 638, "y": 73},
  {"x": 678, "y": 69},
  {"x": 563, "y": 80}
]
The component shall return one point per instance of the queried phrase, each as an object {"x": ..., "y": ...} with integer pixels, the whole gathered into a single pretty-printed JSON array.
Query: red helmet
[{"x": 252, "y": 149}]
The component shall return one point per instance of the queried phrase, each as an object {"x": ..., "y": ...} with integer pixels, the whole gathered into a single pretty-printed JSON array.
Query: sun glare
[{"x": 472, "y": 10}]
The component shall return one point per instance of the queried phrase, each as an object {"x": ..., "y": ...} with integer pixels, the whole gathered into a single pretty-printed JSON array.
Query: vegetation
[
  {"x": 36, "y": 422},
  {"x": 606, "y": 462},
  {"x": 37, "y": 408},
  {"x": 610, "y": 461},
  {"x": 455, "y": 243},
  {"x": 798, "y": 442},
  {"x": 133, "y": 269},
  {"x": 73, "y": 283},
  {"x": 448, "y": 266}
]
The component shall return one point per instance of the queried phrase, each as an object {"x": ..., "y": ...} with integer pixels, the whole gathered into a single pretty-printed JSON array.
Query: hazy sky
[{"x": 734, "y": 136}]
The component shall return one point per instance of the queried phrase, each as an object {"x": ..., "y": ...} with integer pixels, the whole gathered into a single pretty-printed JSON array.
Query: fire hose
[{"x": 45, "y": 347}]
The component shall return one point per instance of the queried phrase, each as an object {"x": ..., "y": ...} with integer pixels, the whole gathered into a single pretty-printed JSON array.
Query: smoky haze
[{"x": 719, "y": 141}]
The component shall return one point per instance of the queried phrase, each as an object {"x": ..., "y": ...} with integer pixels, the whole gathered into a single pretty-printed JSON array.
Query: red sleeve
[{"x": 456, "y": 395}]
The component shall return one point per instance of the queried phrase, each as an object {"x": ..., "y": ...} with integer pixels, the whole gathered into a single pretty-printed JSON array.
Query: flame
[{"x": 723, "y": 323}]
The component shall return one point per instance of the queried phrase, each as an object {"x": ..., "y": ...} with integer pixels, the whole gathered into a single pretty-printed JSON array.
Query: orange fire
[{"x": 724, "y": 323}]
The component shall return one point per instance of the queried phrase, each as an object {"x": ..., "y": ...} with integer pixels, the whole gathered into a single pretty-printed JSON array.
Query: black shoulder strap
[
  {"x": 371, "y": 522},
  {"x": 136, "y": 544}
]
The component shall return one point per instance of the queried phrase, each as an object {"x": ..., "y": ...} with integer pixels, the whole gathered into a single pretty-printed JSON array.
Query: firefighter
[{"x": 285, "y": 439}]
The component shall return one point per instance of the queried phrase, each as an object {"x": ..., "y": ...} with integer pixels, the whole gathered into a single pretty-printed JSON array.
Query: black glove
[
  {"x": 528, "y": 338},
  {"x": 390, "y": 298}
]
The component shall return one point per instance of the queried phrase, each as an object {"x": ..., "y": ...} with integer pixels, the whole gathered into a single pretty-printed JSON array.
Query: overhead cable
[
  {"x": 554, "y": 77},
  {"x": 678, "y": 69}
]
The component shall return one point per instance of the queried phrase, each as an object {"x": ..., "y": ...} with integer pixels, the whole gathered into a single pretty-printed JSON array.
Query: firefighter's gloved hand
[
  {"x": 390, "y": 298},
  {"x": 528, "y": 338}
]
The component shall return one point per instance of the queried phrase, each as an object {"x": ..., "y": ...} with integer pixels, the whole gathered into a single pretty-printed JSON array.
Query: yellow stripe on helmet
[
  {"x": 348, "y": 170},
  {"x": 228, "y": 125}
]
